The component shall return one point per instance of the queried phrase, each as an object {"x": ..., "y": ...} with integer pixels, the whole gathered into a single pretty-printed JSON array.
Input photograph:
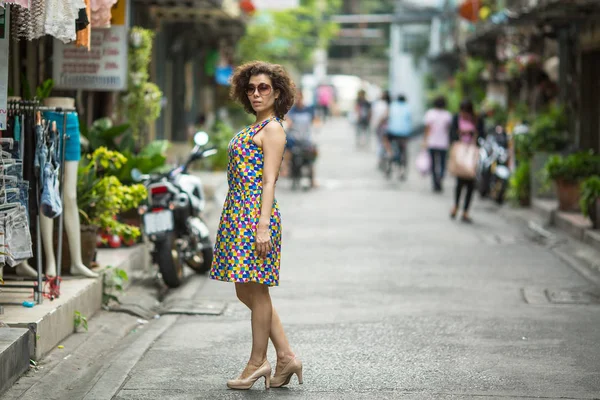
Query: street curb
[
  {"x": 16, "y": 348},
  {"x": 578, "y": 255},
  {"x": 113, "y": 376}
]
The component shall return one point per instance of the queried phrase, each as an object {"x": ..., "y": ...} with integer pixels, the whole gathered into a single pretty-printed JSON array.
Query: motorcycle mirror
[
  {"x": 210, "y": 152},
  {"x": 201, "y": 138},
  {"x": 136, "y": 175}
]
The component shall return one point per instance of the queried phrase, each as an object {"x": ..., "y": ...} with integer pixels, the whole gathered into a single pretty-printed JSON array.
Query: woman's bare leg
[
  {"x": 277, "y": 333},
  {"x": 261, "y": 307}
]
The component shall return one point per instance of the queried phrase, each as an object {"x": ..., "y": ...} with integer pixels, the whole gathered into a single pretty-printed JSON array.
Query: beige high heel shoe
[
  {"x": 283, "y": 378},
  {"x": 247, "y": 383}
]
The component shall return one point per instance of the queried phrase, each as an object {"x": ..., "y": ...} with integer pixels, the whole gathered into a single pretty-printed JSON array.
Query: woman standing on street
[
  {"x": 248, "y": 244},
  {"x": 465, "y": 128},
  {"x": 437, "y": 139}
]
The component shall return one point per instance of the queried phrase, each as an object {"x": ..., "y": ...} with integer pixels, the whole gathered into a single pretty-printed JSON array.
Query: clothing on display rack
[
  {"x": 46, "y": 17},
  {"x": 47, "y": 166},
  {"x": 73, "y": 143},
  {"x": 22, "y": 3},
  {"x": 15, "y": 237},
  {"x": 101, "y": 13}
]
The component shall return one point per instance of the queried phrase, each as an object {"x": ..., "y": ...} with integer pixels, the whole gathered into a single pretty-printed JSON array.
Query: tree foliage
[{"x": 289, "y": 36}]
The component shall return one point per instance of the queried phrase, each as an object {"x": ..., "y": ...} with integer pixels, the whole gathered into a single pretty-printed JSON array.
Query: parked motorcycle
[
  {"x": 172, "y": 217},
  {"x": 493, "y": 170}
]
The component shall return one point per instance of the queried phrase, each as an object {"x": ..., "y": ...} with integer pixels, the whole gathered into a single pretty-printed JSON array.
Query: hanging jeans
[
  {"x": 51, "y": 205},
  {"x": 41, "y": 153}
]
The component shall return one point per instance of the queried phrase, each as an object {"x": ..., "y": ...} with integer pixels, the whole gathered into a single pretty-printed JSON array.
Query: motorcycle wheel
[
  {"x": 207, "y": 259},
  {"x": 483, "y": 185},
  {"x": 169, "y": 261}
]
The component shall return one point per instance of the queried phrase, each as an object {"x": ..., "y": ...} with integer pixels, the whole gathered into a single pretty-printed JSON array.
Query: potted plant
[
  {"x": 549, "y": 136},
  {"x": 590, "y": 199},
  {"x": 101, "y": 196},
  {"x": 568, "y": 173}
]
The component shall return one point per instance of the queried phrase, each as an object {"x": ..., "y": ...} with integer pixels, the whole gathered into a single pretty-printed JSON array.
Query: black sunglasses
[{"x": 263, "y": 89}]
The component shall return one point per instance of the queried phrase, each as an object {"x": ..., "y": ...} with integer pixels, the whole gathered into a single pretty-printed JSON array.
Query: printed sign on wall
[{"x": 104, "y": 67}]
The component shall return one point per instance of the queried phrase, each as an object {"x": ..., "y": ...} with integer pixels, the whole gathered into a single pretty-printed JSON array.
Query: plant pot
[
  {"x": 568, "y": 195},
  {"x": 88, "y": 248},
  {"x": 538, "y": 162},
  {"x": 131, "y": 217}
]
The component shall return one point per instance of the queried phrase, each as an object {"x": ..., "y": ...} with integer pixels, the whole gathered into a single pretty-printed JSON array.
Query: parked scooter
[
  {"x": 493, "y": 170},
  {"x": 172, "y": 217}
]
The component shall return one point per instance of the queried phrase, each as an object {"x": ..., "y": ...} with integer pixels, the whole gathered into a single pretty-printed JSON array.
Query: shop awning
[{"x": 219, "y": 17}]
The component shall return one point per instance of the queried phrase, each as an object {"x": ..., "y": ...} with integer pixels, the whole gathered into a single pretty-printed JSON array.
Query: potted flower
[
  {"x": 101, "y": 196},
  {"x": 567, "y": 173},
  {"x": 590, "y": 199}
]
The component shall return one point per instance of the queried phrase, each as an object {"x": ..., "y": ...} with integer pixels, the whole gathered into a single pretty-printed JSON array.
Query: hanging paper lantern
[
  {"x": 485, "y": 12},
  {"x": 247, "y": 6},
  {"x": 469, "y": 10}
]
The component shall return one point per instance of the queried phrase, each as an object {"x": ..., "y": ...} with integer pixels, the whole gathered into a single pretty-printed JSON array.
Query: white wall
[{"x": 406, "y": 77}]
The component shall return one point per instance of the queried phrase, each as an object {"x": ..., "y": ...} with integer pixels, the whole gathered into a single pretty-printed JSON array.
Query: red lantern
[
  {"x": 469, "y": 10},
  {"x": 247, "y": 6}
]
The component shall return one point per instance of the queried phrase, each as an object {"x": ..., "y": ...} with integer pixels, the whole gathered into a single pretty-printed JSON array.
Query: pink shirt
[{"x": 439, "y": 122}]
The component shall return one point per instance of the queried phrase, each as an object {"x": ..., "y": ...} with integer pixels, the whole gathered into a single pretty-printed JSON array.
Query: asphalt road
[{"x": 382, "y": 297}]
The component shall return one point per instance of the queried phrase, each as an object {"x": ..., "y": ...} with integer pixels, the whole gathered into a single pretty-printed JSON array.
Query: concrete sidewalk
[{"x": 34, "y": 332}]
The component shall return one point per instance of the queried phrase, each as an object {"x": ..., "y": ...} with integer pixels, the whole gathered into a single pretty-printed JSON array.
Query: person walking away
[
  {"x": 248, "y": 245},
  {"x": 325, "y": 97},
  {"x": 437, "y": 122},
  {"x": 379, "y": 125},
  {"x": 399, "y": 129},
  {"x": 465, "y": 128},
  {"x": 300, "y": 123},
  {"x": 363, "y": 120}
]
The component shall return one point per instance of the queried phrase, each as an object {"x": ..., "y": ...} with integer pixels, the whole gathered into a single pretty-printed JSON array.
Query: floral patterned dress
[{"x": 235, "y": 257}]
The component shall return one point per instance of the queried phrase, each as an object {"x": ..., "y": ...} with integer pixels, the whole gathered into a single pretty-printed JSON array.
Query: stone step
[{"x": 16, "y": 349}]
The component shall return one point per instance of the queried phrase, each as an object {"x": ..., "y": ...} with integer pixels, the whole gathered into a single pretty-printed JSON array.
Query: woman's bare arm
[{"x": 272, "y": 141}]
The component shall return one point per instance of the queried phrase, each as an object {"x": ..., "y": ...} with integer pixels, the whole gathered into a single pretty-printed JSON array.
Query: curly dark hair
[{"x": 280, "y": 80}]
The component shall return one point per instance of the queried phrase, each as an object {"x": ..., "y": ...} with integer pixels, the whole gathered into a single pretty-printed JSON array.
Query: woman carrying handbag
[{"x": 463, "y": 156}]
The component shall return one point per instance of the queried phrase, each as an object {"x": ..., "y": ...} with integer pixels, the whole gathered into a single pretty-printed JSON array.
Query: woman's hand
[{"x": 263, "y": 241}]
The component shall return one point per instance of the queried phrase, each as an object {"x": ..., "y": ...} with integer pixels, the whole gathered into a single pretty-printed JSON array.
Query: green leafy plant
[
  {"x": 550, "y": 130},
  {"x": 289, "y": 36},
  {"x": 43, "y": 91},
  {"x": 152, "y": 158},
  {"x": 572, "y": 168},
  {"x": 590, "y": 193},
  {"x": 520, "y": 183},
  {"x": 523, "y": 147},
  {"x": 103, "y": 133},
  {"x": 80, "y": 320},
  {"x": 220, "y": 136},
  {"x": 142, "y": 100},
  {"x": 101, "y": 196},
  {"x": 112, "y": 283}
]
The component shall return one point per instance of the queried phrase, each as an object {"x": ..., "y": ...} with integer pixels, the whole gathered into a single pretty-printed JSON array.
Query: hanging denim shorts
[
  {"x": 15, "y": 238},
  {"x": 73, "y": 143}
]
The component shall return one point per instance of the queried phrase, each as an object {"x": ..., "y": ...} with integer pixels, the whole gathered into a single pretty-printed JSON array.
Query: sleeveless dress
[{"x": 235, "y": 258}]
